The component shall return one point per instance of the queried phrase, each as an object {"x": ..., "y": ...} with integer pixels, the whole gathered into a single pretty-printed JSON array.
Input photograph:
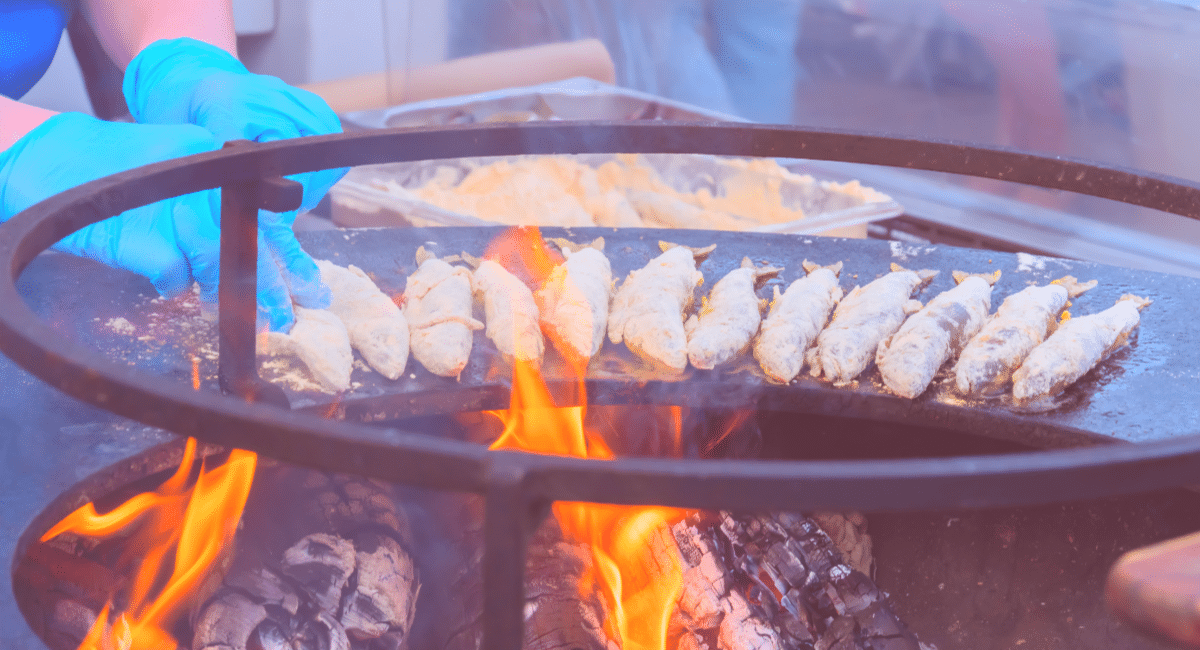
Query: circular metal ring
[{"x": 1007, "y": 480}]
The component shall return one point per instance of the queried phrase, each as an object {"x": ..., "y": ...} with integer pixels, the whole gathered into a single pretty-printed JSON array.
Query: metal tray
[
  {"x": 571, "y": 99},
  {"x": 1090, "y": 229},
  {"x": 362, "y": 199},
  {"x": 367, "y": 196}
]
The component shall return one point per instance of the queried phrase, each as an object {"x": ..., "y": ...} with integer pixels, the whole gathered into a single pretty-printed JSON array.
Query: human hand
[
  {"x": 185, "y": 81},
  {"x": 172, "y": 243}
]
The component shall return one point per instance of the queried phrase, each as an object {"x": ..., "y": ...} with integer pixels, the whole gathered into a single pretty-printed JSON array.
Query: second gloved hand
[
  {"x": 185, "y": 81},
  {"x": 172, "y": 243}
]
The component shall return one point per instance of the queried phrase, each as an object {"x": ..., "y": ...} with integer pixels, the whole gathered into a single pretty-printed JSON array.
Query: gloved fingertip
[
  {"x": 172, "y": 281},
  {"x": 310, "y": 293},
  {"x": 275, "y": 319}
]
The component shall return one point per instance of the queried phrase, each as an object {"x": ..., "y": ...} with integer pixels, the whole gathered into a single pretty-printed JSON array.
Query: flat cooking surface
[{"x": 1139, "y": 394}]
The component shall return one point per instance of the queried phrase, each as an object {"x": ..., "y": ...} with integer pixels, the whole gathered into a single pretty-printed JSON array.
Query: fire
[
  {"x": 179, "y": 533},
  {"x": 522, "y": 252},
  {"x": 640, "y": 591}
]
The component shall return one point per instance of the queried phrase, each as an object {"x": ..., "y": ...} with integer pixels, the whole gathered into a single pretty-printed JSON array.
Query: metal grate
[{"x": 519, "y": 487}]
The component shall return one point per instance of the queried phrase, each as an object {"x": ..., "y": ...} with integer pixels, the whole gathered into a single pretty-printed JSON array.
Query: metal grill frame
[{"x": 519, "y": 487}]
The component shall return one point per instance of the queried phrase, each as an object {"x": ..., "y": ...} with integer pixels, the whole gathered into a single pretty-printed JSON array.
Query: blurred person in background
[
  {"x": 732, "y": 56},
  {"x": 188, "y": 93}
]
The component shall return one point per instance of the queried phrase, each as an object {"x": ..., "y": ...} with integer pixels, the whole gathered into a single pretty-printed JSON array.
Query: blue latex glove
[
  {"x": 185, "y": 81},
  {"x": 172, "y": 242}
]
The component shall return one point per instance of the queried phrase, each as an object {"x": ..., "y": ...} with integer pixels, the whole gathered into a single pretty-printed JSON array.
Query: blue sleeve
[{"x": 29, "y": 34}]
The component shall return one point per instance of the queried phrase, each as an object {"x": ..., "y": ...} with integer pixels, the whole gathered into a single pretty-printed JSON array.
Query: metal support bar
[
  {"x": 509, "y": 518},
  {"x": 237, "y": 293}
]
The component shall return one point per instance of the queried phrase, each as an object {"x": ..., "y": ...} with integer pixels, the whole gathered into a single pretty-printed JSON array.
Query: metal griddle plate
[{"x": 1139, "y": 394}]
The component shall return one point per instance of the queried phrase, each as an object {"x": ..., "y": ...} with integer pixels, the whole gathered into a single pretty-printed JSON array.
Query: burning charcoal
[
  {"x": 227, "y": 622},
  {"x": 558, "y": 616},
  {"x": 267, "y": 587},
  {"x": 796, "y": 573},
  {"x": 321, "y": 563},
  {"x": 252, "y": 599},
  {"x": 839, "y": 636},
  {"x": 385, "y": 594},
  {"x": 692, "y": 641},
  {"x": 742, "y": 630},
  {"x": 704, "y": 580},
  {"x": 322, "y": 632}
]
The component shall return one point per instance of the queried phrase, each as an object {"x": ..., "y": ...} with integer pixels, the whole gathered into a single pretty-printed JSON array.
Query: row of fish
[
  {"x": 1024, "y": 343},
  {"x": 811, "y": 323}
]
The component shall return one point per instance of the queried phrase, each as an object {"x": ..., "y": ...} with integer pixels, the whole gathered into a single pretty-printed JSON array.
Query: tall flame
[
  {"x": 639, "y": 589},
  {"x": 180, "y": 532}
]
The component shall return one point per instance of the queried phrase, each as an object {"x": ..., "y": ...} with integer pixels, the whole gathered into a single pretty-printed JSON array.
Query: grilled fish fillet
[
  {"x": 574, "y": 303},
  {"x": 866, "y": 316},
  {"x": 320, "y": 341},
  {"x": 1023, "y": 321},
  {"x": 647, "y": 312},
  {"x": 376, "y": 326},
  {"x": 729, "y": 318},
  {"x": 437, "y": 304},
  {"x": 795, "y": 320},
  {"x": 1075, "y": 348},
  {"x": 509, "y": 311},
  {"x": 910, "y": 358}
]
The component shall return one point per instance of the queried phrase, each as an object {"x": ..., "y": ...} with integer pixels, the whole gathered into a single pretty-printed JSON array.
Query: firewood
[
  {"x": 742, "y": 629},
  {"x": 258, "y": 609},
  {"x": 385, "y": 596},
  {"x": 330, "y": 571},
  {"x": 558, "y": 614},
  {"x": 704, "y": 578},
  {"x": 321, "y": 563}
]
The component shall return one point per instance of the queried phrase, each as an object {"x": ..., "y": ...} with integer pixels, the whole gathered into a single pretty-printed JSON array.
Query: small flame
[
  {"x": 264, "y": 342},
  {"x": 523, "y": 253},
  {"x": 195, "y": 372},
  {"x": 179, "y": 530},
  {"x": 732, "y": 424}
]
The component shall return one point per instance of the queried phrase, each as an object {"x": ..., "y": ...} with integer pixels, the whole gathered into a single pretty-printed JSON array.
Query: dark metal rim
[{"x": 1022, "y": 479}]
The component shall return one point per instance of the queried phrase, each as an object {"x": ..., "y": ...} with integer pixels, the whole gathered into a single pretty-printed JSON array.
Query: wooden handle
[
  {"x": 474, "y": 74},
  {"x": 1157, "y": 589}
]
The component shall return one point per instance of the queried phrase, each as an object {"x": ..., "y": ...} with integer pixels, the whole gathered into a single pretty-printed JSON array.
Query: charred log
[
  {"x": 345, "y": 582},
  {"x": 559, "y": 614}
]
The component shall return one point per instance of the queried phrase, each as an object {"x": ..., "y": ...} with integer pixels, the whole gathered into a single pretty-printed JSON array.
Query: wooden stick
[{"x": 473, "y": 74}]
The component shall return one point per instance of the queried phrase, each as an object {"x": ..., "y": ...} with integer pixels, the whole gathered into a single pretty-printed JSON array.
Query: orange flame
[
  {"x": 523, "y": 253},
  {"x": 197, "y": 523},
  {"x": 195, "y": 372},
  {"x": 640, "y": 587}
]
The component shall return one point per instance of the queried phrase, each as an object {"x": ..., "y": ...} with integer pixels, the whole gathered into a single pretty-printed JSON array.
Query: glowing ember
[
  {"x": 178, "y": 533},
  {"x": 640, "y": 591}
]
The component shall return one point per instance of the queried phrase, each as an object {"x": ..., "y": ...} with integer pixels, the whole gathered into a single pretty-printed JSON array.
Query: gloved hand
[
  {"x": 172, "y": 242},
  {"x": 185, "y": 81}
]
